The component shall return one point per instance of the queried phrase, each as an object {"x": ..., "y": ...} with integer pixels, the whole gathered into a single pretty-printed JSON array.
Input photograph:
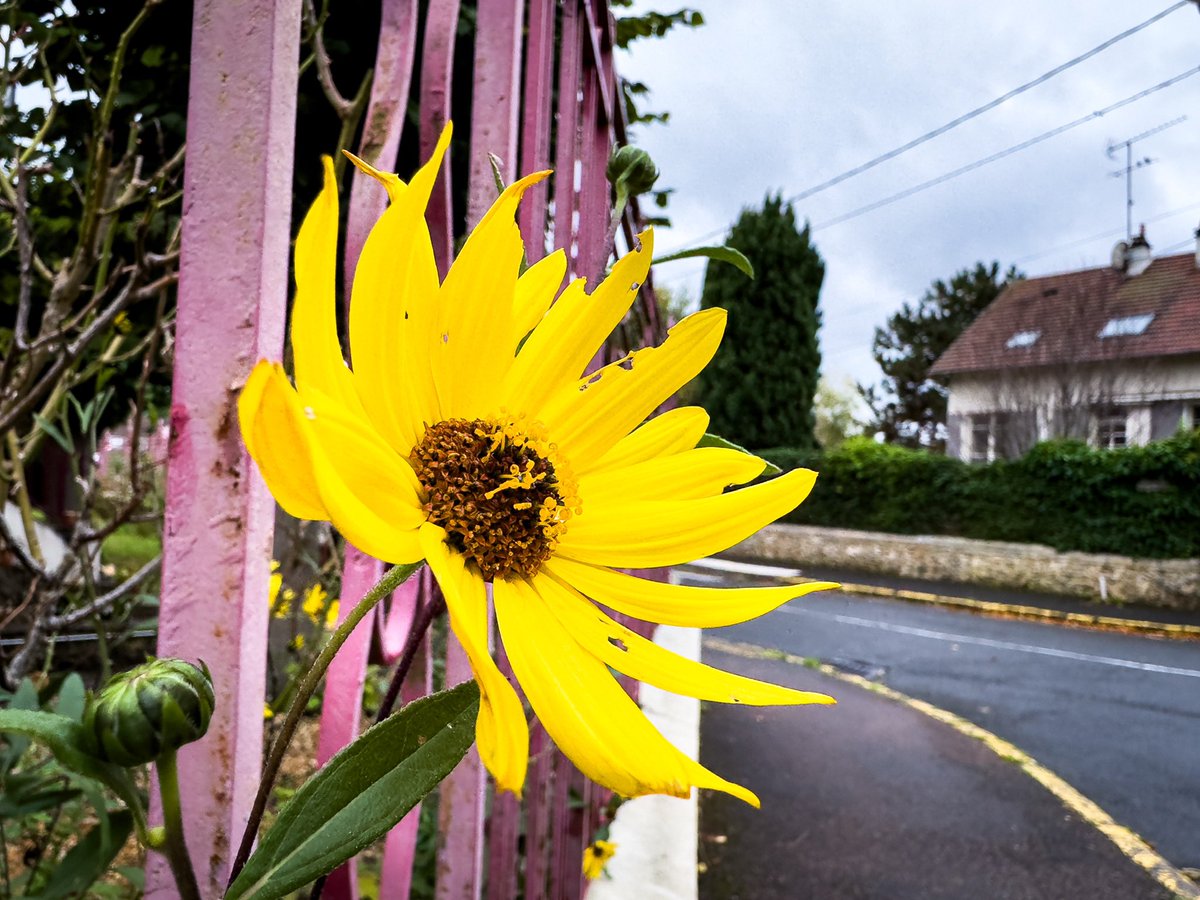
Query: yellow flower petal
[
  {"x": 292, "y": 446},
  {"x": 367, "y": 465},
  {"x": 676, "y": 604},
  {"x": 591, "y": 415},
  {"x": 674, "y": 431},
  {"x": 690, "y": 475},
  {"x": 629, "y": 652},
  {"x": 583, "y": 708},
  {"x": 390, "y": 181},
  {"x": 567, "y": 339},
  {"x": 393, "y": 314},
  {"x": 278, "y": 443},
  {"x": 536, "y": 289},
  {"x": 475, "y": 310},
  {"x": 315, "y": 348},
  {"x": 501, "y": 731},
  {"x": 641, "y": 534}
]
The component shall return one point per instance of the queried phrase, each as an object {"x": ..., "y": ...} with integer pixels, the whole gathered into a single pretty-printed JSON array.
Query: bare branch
[
  {"x": 103, "y": 602},
  {"x": 25, "y": 253},
  {"x": 71, "y": 351},
  {"x": 340, "y": 104}
]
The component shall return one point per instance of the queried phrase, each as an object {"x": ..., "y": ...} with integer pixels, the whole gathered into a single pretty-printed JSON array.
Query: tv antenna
[{"x": 1131, "y": 164}]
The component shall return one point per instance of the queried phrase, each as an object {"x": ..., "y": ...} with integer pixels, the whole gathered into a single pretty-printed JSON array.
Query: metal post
[{"x": 232, "y": 297}]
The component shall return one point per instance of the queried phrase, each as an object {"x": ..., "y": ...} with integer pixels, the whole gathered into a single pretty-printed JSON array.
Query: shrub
[{"x": 1137, "y": 501}]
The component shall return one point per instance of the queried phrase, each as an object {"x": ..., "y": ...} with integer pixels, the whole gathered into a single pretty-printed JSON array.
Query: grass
[{"x": 131, "y": 546}]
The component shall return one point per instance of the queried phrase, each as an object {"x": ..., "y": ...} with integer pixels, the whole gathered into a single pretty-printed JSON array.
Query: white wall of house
[{"x": 1133, "y": 389}]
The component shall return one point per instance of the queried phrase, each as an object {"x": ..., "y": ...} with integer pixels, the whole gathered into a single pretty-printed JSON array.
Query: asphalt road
[
  {"x": 873, "y": 800},
  {"x": 1117, "y": 716}
]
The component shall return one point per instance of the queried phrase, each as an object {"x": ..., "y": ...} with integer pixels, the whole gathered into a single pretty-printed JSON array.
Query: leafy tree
[
  {"x": 759, "y": 389},
  {"x": 909, "y": 406},
  {"x": 837, "y": 406}
]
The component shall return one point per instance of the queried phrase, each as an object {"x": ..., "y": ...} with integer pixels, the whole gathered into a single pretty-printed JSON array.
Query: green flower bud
[
  {"x": 633, "y": 167},
  {"x": 151, "y": 709}
]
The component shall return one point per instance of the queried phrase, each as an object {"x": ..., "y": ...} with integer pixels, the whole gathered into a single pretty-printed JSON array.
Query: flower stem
[
  {"x": 391, "y": 580},
  {"x": 175, "y": 848}
]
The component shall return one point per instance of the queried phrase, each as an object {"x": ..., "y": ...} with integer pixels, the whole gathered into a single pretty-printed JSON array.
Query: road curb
[
  {"x": 1127, "y": 841},
  {"x": 1172, "y": 630}
]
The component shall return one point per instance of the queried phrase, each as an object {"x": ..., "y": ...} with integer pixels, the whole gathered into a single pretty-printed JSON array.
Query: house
[{"x": 1110, "y": 355}]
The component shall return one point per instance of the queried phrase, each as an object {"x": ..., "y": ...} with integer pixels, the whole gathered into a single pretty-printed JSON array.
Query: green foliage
[
  {"x": 909, "y": 405},
  {"x": 651, "y": 24},
  {"x": 759, "y": 389},
  {"x": 1136, "y": 501},
  {"x": 735, "y": 258},
  {"x": 360, "y": 794},
  {"x": 837, "y": 411},
  {"x": 53, "y": 800}
]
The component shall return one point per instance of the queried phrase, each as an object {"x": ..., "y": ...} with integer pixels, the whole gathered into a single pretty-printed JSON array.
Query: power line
[
  {"x": 1112, "y": 232},
  {"x": 908, "y": 192},
  {"x": 966, "y": 117},
  {"x": 1029, "y": 257},
  {"x": 980, "y": 110}
]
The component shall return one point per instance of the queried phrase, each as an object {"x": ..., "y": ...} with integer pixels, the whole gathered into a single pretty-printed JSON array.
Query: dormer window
[
  {"x": 1023, "y": 339},
  {"x": 1126, "y": 326}
]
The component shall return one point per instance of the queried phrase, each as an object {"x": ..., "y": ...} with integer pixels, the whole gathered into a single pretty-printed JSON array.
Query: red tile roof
[{"x": 1069, "y": 311}]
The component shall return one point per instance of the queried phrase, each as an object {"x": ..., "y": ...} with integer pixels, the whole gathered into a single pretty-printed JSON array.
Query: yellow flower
[
  {"x": 595, "y": 857},
  {"x": 279, "y": 598},
  {"x": 314, "y": 602},
  {"x": 467, "y": 435},
  {"x": 331, "y": 614}
]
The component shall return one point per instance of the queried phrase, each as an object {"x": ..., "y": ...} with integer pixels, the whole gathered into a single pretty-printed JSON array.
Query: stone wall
[{"x": 1171, "y": 583}]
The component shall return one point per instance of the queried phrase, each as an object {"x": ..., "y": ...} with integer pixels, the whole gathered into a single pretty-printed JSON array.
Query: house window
[
  {"x": 1112, "y": 427},
  {"x": 1023, "y": 339},
  {"x": 980, "y": 447},
  {"x": 1126, "y": 326}
]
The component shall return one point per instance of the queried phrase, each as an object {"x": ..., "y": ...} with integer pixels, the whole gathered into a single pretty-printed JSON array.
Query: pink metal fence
[{"x": 231, "y": 312}]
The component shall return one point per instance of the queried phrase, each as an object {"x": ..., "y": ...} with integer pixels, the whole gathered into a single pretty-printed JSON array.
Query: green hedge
[{"x": 1138, "y": 501}]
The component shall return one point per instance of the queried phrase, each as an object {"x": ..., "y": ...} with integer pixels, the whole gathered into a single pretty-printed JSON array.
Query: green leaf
[
  {"x": 72, "y": 697},
  {"x": 722, "y": 254},
  {"x": 51, "y": 429},
  {"x": 361, "y": 793},
  {"x": 65, "y": 738},
  {"x": 15, "y": 808},
  {"x": 713, "y": 440},
  {"x": 90, "y": 858},
  {"x": 26, "y": 698}
]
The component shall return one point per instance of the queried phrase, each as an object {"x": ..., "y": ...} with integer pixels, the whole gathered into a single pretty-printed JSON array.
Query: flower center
[{"x": 499, "y": 490}]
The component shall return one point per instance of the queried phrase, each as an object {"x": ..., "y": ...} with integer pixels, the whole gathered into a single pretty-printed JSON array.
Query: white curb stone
[{"x": 656, "y": 835}]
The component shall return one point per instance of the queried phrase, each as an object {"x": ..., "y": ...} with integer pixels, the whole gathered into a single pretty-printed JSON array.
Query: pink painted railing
[{"x": 231, "y": 312}]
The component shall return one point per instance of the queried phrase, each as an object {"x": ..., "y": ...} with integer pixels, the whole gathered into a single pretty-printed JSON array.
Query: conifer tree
[{"x": 759, "y": 389}]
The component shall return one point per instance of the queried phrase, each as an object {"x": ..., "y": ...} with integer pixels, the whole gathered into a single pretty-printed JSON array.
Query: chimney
[
  {"x": 1198, "y": 248},
  {"x": 1139, "y": 254}
]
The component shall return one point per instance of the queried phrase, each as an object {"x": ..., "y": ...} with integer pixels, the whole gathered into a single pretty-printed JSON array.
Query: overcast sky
[{"x": 771, "y": 95}]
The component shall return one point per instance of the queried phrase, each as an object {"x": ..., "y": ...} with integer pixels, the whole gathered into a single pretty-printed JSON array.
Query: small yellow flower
[
  {"x": 268, "y": 713},
  {"x": 279, "y": 598},
  {"x": 331, "y": 614},
  {"x": 467, "y": 434},
  {"x": 314, "y": 602},
  {"x": 121, "y": 323},
  {"x": 596, "y": 856}
]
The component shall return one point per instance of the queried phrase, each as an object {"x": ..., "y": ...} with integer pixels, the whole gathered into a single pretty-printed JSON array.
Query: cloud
[{"x": 780, "y": 96}]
